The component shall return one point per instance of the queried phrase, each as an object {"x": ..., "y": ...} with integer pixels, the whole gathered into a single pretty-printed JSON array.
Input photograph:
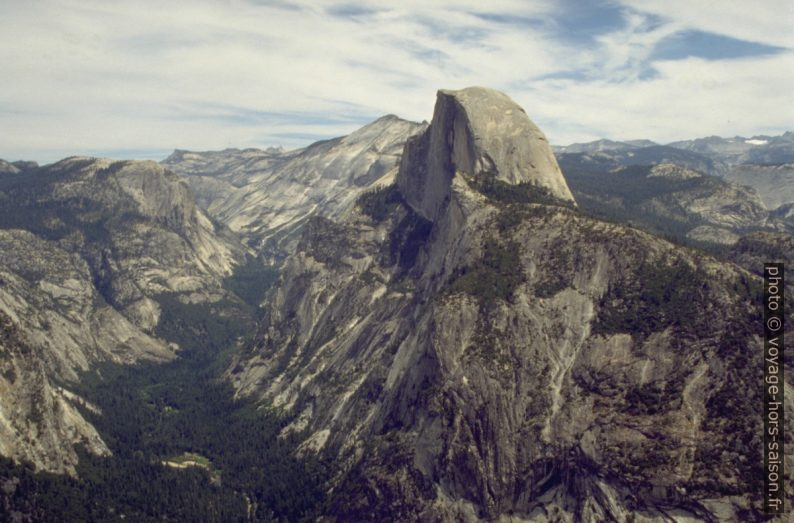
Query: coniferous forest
[{"x": 183, "y": 447}]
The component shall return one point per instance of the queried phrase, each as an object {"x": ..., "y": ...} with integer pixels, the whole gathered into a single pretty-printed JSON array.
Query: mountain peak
[
  {"x": 8, "y": 168},
  {"x": 476, "y": 131}
]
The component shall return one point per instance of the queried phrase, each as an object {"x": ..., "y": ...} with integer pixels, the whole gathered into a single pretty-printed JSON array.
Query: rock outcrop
[
  {"x": 8, "y": 168},
  {"x": 511, "y": 359},
  {"x": 775, "y": 183},
  {"x": 476, "y": 132},
  {"x": 54, "y": 325}
]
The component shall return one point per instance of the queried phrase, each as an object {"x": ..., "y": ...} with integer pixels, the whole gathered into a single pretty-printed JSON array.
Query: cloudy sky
[{"x": 136, "y": 79}]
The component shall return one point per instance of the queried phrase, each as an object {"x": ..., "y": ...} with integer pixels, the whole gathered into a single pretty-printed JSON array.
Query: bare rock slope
[
  {"x": 266, "y": 196},
  {"x": 496, "y": 354},
  {"x": 667, "y": 199}
]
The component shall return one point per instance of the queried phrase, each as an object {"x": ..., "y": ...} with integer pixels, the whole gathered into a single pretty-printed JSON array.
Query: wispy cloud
[{"x": 86, "y": 75}]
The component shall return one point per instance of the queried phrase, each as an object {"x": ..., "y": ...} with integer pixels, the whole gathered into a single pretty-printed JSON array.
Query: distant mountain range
[
  {"x": 765, "y": 163},
  {"x": 724, "y": 152}
]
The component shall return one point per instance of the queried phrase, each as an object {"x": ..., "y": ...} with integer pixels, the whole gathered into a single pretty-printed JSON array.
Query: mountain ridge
[
  {"x": 266, "y": 197},
  {"x": 510, "y": 357}
]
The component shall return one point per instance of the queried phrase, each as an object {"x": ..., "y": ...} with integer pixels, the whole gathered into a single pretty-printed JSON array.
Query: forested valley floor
[{"x": 183, "y": 448}]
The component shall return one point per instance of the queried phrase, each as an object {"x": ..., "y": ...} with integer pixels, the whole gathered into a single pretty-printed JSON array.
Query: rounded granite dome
[{"x": 474, "y": 131}]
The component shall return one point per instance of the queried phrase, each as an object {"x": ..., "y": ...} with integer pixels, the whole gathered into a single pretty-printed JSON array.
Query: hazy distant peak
[{"x": 8, "y": 168}]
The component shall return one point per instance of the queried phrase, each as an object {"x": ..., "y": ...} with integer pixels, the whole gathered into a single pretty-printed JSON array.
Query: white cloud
[
  {"x": 624, "y": 52},
  {"x": 84, "y": 76},
  {"x": 766, "y": 21},
  {"x": 689, "y": 98}
]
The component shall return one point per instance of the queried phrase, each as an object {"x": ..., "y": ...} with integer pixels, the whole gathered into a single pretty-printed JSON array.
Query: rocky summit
[
  {"x": 466, "y": 347},
  {"x": 476, "y": 132}
]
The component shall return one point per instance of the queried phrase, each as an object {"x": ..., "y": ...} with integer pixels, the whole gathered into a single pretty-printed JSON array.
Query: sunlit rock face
[
  {"x": 265, "y": 196},
  {"x": 465, "y": 355},
  {"x": 476, "y": 131}
]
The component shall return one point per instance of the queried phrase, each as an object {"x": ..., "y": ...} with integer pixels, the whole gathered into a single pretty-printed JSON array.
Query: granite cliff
[
  {"x": 452, "y": 327},
  {"x": 466, "y": 345},
  {"x": 479, "y": 133}
]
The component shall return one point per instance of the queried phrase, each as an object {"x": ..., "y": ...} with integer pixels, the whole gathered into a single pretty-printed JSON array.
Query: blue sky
[{"x": 138, "y": 79}]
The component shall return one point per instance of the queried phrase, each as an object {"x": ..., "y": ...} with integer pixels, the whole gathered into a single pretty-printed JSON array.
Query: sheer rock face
[
  {"x": 582, "y": 391},
  {"x": 476, "y": 131},
  {"x": 438, "y": 406}
]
